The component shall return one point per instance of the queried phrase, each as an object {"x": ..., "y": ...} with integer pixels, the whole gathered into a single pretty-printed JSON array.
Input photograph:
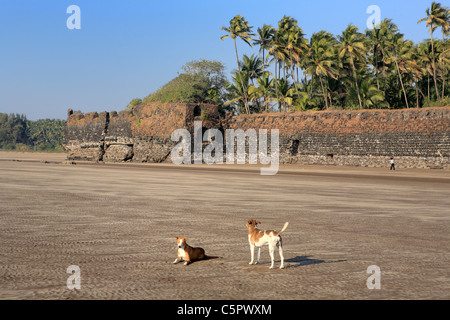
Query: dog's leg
[
  {"x": 252, "y": 253},
  {"x": 177, "y": 260},
  {"x": 271, "y": 249},
  {"x": 258, "y": 255},
  {"x": 280, "y": 251}
]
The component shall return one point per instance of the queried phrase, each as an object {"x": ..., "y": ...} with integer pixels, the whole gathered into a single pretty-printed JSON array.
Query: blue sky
[{"x": 129, "y": 49}]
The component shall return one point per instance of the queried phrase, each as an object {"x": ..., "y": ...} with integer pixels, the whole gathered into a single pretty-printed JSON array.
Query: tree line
[
  {"x": 377, "y": 68},
  {"x": 19, "y": 133}
]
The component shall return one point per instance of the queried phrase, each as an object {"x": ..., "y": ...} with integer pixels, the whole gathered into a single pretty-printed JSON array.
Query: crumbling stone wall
[
  {"x": 84, "y": 135},
  {"x": 416, "y": 138},
  {"x": 140, "y": 135}
]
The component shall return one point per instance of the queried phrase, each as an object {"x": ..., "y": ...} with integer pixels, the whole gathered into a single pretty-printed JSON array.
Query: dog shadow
[{"x": 300, "y": 261}]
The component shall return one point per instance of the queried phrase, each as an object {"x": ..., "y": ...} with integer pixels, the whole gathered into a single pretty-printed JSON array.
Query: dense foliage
[
  {"x": 18, "y": 133},
  {"x": 200, "y": 81},
  {"x": 375, "y": 69}
]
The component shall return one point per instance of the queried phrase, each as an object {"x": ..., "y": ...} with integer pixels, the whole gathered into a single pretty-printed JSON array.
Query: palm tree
[
  {"x": 351, "y": 44},
  {"x": 400, "y": 55},
  {"x": 277, "y": 51},
  {"x": 415, "y": 71},
  {"x": 239, "y": 28},
  {"x": 264, "y": 35},
  {"x": 445, "y": 27},
  {"x": 264, "y": 90},
  {"x": 424, "y": 60},
  {"x": 378, "y": 38},
  {"x": 371, "y": 97},
  {"x": 443, "y": 58},
  {"x": 253, "y": 66},
  {"x": 239, "y": 91},
  {"x": 320, "y": 61},
  {"x": 435, "y": 17},
  {"x": 375, "y": 39},
  {"x": 294, "y": 43},
  {"x": 285, "y": 93}
]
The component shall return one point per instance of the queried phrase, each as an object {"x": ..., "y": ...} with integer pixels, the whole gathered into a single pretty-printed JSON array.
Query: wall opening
[
  {"x": 197, "y": 111},
  {"x": 294, "y": 147}
]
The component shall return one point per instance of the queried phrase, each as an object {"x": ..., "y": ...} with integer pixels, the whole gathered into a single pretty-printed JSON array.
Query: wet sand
[{"x": 117, "y": 222}]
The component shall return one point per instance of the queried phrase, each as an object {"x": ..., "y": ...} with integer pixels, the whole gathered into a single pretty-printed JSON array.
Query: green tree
[
  {"x": 13, "y": 130},
  {"x": 445, "y": 28},
  {"x": 46, "y": 134},
  {"x": 264, "y": 90},
  {"x": 293, "y": 43},
  {"x": 238, "y": 89},
  {"x": 320, "y": 60},
  {"x": 351, "y": 45},
  {"x": 286, "y": 93},
  {"x": 277, "y": 51},
  {"x": 203, "y": 81},
  {"x": 239, "y": 28},
  {"x": 253, "y": 66},
  {"x": 264, "y": 37},
  {"x": 400, "y": 54},
  {"x": 435, "y": 15},
  {"x": 371, "y": 97}
]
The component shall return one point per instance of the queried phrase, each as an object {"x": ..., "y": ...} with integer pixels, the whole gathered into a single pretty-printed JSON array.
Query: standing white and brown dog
[{"x": 258, "y": 238}]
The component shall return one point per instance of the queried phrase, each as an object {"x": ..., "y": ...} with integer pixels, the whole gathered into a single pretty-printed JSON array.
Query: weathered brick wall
[
  {"x": 142, "y": 134},
  {"x": 416, "y": 138},
  {"x": 84, "y": 135}
]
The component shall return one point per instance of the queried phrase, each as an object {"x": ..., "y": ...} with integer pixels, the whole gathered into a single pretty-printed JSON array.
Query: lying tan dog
[
  {"x": 258, "y": 238},
  {"x": 189, "y": 254}
]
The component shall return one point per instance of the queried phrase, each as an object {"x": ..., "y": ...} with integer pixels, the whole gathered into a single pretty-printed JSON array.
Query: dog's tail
[{"x": 284, "y": 227}]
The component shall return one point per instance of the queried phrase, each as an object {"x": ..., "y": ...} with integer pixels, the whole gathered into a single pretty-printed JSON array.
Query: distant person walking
[{"x": 392, "y": 164}]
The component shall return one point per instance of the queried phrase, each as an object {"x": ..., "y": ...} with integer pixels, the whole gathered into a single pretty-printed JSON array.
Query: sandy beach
[{"x": 117, "y": 223}]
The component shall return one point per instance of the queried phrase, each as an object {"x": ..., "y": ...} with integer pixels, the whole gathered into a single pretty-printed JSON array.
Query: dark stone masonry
[{"x": 416, "y": 138}]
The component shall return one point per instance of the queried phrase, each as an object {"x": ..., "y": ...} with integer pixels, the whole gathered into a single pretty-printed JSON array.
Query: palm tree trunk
[
  {"x": 279, "y": 68},
  {"x": 356, "y": 82},
  {"x": 293, "y": 78},
  {"x": 264, "y": 62},
  {"x": 326, "y": 89},
  {"x": 417, "y": 95},
  {"x": 376, "y": 69},
  {"x": 324, "y": 93},
  {"x": 276, "y": 84},
  {"x": 240, "y": 76},
  {"x": 384, "y": 77},
  {"x": 401, "y": 82},
  {"x": 444, "y": 67},
  {"x": 433, "y": 64}
]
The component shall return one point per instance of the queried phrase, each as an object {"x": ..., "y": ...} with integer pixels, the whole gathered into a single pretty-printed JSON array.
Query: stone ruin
[{"x": 416, "y": 138}]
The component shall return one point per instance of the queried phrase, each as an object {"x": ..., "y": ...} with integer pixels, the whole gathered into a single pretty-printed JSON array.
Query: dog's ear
[
  {"x": 177, "y": 238},
  {"x": 257, "y": 222},
  {"x": 186, "y": 239}
]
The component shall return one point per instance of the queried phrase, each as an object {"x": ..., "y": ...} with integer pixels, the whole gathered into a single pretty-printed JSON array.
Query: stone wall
[
  {"x": 141, "y": 135},
  {"x": 84, "y": 135},
  {"x": 416, "y": 138}
]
